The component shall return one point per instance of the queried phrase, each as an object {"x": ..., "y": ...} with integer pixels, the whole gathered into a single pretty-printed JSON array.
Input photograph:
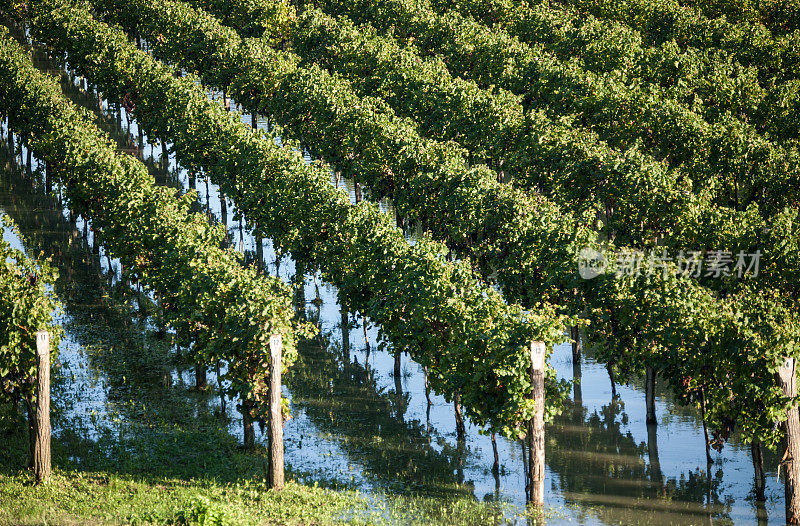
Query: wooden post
[
  {"x": 275, "y": 414},
  {"x": 42, "y": 456},
  {"x": 787, "y": 376},
  {"x": 535, "y": 488},
  {"x": 650, "y": 395}
]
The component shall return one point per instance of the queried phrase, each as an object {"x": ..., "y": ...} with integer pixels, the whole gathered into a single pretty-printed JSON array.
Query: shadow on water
[
  {"x": 343, "y": 399},
  {"x": 599, "y": 465}
]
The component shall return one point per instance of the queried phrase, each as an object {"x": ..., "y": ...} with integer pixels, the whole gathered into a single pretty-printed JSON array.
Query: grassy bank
[
  {"x": 103, "y": 499},
  {"x": 98, "y": 498}
]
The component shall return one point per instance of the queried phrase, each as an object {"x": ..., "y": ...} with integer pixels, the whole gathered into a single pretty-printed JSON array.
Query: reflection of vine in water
[
  {"x": 158, "y": 430},
  {"x": 613, "y": 470},
  {"x": 343, "y": 399}
]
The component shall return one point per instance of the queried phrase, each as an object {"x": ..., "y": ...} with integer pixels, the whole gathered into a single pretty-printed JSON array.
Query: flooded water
[{"x": 124, "y": 401}]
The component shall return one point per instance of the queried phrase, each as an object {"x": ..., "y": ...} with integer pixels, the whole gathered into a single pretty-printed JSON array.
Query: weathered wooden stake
[
  {"x": 650, "y": 395},
  {"x": 275, "y": 413},
  {"x": 787, "y": 376},
  {"x": 42, "y": 455},
  {"x": 535, "y": 490}
]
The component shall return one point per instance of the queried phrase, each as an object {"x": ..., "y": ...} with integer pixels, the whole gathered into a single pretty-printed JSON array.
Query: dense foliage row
[
  {"x": 779, "y": 16},
  {"x": 637, "y": 194},
  {"x": 224, "y": 310},
  {"x": 604, "y": 45},
  {"x": 525, "y": 238},
  {"x": 473, "y": 343},
  {"x": 550, "y": 146},
  {"x": 660, "y": 21},
  {"x": 489, "y": 124},
  {"x": 621, "y": 113},
  {"x": 27, "y": 305}
]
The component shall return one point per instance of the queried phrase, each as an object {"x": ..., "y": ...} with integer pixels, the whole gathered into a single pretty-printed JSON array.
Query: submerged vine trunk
[
  {"x": 575, "y": 335},
  {"x": 200, "y": 377},
  {"x": 705, "y": 426},
  {"x": 652, "y": 452},
  {"x": 31, "y": 430},
  {"x": 760, "y": 479},
  {"x": 650, "y": 395},
  {"x": 345, "y": 335},
  {"x": 247, "y": 422},
  {"x": 460, "y": 428}
]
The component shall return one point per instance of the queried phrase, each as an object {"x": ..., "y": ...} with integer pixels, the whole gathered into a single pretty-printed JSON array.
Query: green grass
[
  {"x": 102, "y": 499},
  {"x": 97, "y": 498}
]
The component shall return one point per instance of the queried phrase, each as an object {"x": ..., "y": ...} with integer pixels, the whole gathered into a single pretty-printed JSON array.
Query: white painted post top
[
  {"x": 43, "y": 343},
  {"x": 787, "y": 367},
  {"x": 538, "y": 352},
  {"x": 275, "y": 344}
]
